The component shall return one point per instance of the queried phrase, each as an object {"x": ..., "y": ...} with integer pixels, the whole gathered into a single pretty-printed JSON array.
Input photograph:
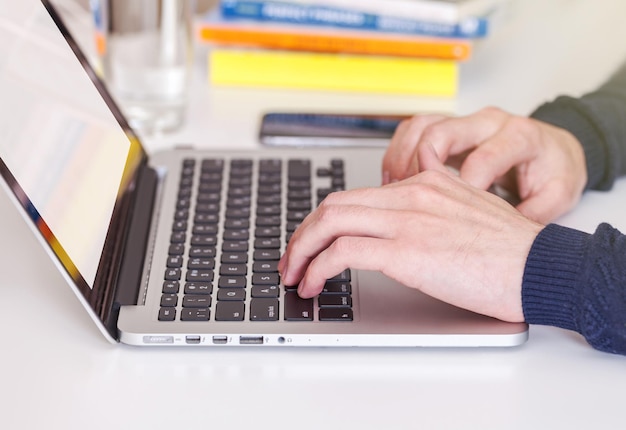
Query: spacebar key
[{"x": 297, "y": 308}]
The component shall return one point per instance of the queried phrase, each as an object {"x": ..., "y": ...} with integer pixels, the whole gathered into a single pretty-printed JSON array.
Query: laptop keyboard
[{"x": 231, "y": 222}]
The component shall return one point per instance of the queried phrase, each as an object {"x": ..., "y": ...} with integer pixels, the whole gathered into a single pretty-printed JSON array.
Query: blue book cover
[{"x": 295, "y": 13}]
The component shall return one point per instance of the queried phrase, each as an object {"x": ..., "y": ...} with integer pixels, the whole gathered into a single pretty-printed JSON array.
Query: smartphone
[{"x": 328, "y": 129}]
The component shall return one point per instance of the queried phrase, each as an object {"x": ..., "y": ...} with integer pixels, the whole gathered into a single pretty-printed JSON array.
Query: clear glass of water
[{"x": 147, "y": 51}]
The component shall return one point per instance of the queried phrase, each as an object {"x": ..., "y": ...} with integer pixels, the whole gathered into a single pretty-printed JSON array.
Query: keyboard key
[
  {"x": 176, "y": 249},
  {"x": 198, "y": 288},
  {"x": 299, "y": 205},
  {"x": 229, "y": 311},
  {"x": 201, "y": 263},
  {"x": 268, "y": 221},
  {"x": 297, "y": 308},
  {"x": 170, "y": 287},
  {"x": 234, "y": 257},
  {"x": 298, "y": 169},
  {"x": 172, "y": 274},
  {"x": 342, "y": 277},
  {"x": 192, "y": 314},
  {"x": 179, "y": 225},
  {"x": 178, "y": 237},
  {"x": 199, "y": 276},
  {"x": 265, "y": 279},
  {"x": 202, "y": 252},
  {"x": 196, "y": 301},
  {"x": 175, "y": 261},
  {"x": 233, "y": 269},
  {"x": 337, "y": 288},
  {"x": 231, "y": 294},
  {"x": 264, "y": 309},
  {"x": 236, "y": 235},
  {"x": 265, "y": 266},
  {"x": 268, "y": 210},
  {"x": 235, "y": 246},
  {"x": 267, "y": 243},
  {"x": 266, "y": 254},
  {"x": 336, "y": 314},
  {"x": 169, "y": 300},
  {"x": 334, "y": 301},
  {"x": 267, "y": 232},
  {"x": 206, "y": 218},
  {"x": 197, "y": 240},
  {"x": 167, "y": 314},
  {"x": 265, "y": 291},
  {"x": 232, "y": 282},
  {"x": 212, "y": 165},
  {"x": 210, "y": 229},
  {"x": 237, "y": 224}
]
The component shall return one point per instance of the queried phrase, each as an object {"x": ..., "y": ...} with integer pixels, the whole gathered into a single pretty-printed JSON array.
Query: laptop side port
[
  {"x": 220, "y": 340},
  {"x": 250, "y": 340},
  {"x": 192, "y": 340}
]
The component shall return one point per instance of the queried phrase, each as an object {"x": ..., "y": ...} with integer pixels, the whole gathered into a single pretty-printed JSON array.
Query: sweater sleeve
[
  {"x": 577, "y": 281},
  {"x": 598, "y": 121},
  {"x": 572, "y": 279}
]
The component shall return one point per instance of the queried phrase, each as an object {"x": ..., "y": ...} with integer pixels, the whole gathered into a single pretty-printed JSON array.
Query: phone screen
[{"x": 321, "y": 129}]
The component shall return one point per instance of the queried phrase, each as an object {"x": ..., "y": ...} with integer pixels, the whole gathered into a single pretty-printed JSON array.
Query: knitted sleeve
[
  {"x": 572, "y": 279},
  {"x": 577, "y": 281},
  {"x": 598, "y": 120}
]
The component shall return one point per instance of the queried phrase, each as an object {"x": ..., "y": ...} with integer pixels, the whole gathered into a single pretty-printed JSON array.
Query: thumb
[
  {"x": 429, "y": 159},
  {"x": 539, "y": 208}
]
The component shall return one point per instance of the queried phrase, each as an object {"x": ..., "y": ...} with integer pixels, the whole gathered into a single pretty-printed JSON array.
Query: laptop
[{"x": 180, "y": 247}]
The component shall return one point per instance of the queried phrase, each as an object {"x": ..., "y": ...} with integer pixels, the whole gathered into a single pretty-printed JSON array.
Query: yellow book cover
[
  {"x": 334, "y": 72},
  {"x": 289, "y": 37}
]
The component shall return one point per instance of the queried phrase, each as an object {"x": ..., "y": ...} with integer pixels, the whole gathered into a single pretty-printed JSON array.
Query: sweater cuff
[
  {"x": 565, "y": 112},
  {"x": 549, "y": 285}
]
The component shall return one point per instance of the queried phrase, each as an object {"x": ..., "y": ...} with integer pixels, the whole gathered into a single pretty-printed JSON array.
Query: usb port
[
  {"x": 220, "y": 340},
  {"x": 192, "y": 340},
  {"x": 250, "y": 340}
]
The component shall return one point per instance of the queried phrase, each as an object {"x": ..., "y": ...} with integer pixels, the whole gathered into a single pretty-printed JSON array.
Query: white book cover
[{"x": 448, "y": 11}]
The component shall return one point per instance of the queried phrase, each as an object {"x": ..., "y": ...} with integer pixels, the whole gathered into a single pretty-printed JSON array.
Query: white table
[{"x": 58, "y": 371}]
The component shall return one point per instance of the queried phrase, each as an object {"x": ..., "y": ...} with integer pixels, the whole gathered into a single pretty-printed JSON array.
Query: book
[
  {"x": 315, "y": 15},
  {"x": 333, "y": 72},
  {"x": 450, "y": 11},
  {"x": 293, "y": 37}
]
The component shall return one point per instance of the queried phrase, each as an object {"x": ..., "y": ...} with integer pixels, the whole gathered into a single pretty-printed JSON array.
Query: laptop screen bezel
[{"x": 101, "y": 295}]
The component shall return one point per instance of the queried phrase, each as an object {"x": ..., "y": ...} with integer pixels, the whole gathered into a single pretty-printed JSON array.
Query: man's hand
[
  {"x": 432, "y": 232},
  {"x": 542, "y": 164}
]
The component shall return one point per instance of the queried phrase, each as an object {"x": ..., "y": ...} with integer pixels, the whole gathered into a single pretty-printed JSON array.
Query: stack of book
[{"x": 386, "y": 46}]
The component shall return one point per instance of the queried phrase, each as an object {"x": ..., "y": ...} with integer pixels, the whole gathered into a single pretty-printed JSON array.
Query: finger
[
  {"x": 398, "y": 158},
  {"x": 398, "y": 153},
  {"x": 454, "y": 136},
  {"x": 346, "y": 252},
  {"x": 428, "y": 158},
  {"x": 548, "y": 203},
  {"x": 495, "y": 157},
  {"x": 323, "y": 227}
]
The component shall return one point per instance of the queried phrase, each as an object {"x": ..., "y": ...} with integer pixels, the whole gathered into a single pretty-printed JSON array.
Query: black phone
[{"x": 328, "y": 129}]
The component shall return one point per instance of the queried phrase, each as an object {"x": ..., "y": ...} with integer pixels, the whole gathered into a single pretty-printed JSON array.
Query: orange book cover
[{"x": 286, "y": 37}]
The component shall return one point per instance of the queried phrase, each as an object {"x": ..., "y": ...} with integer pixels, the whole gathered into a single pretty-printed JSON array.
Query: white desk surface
[{"x": 58, "y": 372}]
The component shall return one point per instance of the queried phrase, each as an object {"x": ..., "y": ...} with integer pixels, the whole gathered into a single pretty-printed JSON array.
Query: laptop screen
[{"x": 64, "y": 154}]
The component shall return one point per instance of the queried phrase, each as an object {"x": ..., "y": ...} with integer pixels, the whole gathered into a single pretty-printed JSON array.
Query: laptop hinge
[{"x": 129, "y": 279}]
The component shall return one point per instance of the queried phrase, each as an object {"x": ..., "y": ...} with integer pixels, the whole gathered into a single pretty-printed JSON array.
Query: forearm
[
  {"x": 598, "y": 121},
  {"x": 577, "y": 281}
]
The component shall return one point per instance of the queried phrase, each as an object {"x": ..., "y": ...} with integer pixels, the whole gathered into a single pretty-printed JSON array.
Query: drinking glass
[{"x": 146, "y": 48}]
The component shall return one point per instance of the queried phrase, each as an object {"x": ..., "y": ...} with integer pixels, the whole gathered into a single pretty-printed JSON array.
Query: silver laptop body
[{"x": 109, "y": 216}]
